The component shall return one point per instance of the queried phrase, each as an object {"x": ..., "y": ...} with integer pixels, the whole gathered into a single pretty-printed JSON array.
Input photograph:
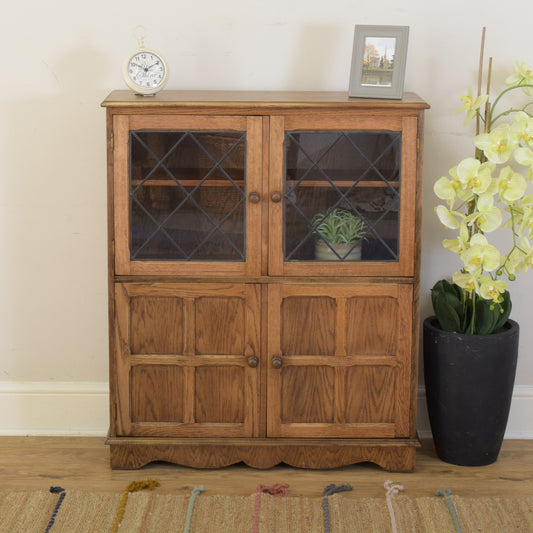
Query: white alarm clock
[{"x": 145, "y": 71}]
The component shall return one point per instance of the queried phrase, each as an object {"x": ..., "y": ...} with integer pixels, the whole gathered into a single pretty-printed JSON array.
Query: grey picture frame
[{"x": 378, "y": 61}]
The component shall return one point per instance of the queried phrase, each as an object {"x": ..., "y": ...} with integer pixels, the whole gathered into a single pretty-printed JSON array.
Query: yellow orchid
[
  {"x": 523, "y": 128},
  {"x": 521, "y": 258},
  {"x": 459, "y": 245},
  {"x": 472, "y": 173},
  {"x": 466, "y": 281},
  {"x": 526, "y": 221},
  {"x": 524, "y": 156},
  {"x": 451, "y": 189},
  {"x": 471, "y": 104},
  {"x": 448, "y": 218},
  {"x": 522, "y": 75},
  {"x": 491, "y": 289},
  {"x": 444, "y": 188},
  {"x": 521, "y": 217},
  {"x": 498, "y": 145},
  {"x": 481, "y": 255},
  {"x": 477, "y": 194},
  {"x": 511, "y": 185},
  {"x": 487, "y": 217}
]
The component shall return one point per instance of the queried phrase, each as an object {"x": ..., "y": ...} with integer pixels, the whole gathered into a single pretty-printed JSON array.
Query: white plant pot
[{"x": 323, "y": 252}]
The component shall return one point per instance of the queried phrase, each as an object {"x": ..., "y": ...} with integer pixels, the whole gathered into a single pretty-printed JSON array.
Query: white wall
[{"x": 61, "y": 58}]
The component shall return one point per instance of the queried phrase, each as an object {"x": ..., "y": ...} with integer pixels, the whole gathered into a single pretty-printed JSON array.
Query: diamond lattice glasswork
[
  {"x": 356, "y": 171},
  {"x": 187, "y": 195}
]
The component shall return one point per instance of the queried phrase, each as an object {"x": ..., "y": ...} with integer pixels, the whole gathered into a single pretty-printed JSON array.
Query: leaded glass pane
[
  {"x": 337, "y": 182},
  {"x": 187, "y": 191}
]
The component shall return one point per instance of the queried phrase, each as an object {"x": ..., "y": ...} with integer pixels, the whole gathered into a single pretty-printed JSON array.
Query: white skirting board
[
  {"x": 81, "y": 408},
  {"x": 54, "y": 408}
]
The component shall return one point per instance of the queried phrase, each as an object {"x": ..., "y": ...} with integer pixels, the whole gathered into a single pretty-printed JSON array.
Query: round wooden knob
[
  {"x": 253, "y": 361},
  {"x": 254, "y": 197},
  {"x": 276, "y": 362},
  {"x": 276, "y": 197}
]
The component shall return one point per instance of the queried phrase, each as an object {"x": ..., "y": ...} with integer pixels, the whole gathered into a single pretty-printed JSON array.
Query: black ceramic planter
[{"x": 469, "y": 384}]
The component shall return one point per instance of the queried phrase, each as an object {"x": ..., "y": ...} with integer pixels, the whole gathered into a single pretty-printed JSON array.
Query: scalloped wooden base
[{"x": 391, "y": 454}]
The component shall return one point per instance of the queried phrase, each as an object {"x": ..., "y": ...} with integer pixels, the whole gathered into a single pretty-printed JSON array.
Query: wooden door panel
[
  {"x": 156, "y": 325},
  {"x": 157, "y": 393},
  {"x": 220, "y": 395},
  {"x": 307, "y": 394},
  {"x": 182, "y": 359},
  {"x": 313, "y": 319},
  {"x": 370, "y": 395},
  {"x": 220, "y": 326},
  {"x": 358, "y": 383},
  {"x": 372, "y": 325}
]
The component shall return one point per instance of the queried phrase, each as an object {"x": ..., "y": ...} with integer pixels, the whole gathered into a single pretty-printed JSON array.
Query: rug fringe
[{"x": 134, "y": 486}]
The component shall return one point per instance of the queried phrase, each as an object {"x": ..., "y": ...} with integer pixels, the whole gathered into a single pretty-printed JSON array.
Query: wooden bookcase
[{"x": 229, "y": 341}]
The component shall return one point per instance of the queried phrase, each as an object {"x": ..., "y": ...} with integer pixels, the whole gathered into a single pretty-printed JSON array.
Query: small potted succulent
[
  {"x": 471, "y": 345},
  {"x": 339, "y": 234}
]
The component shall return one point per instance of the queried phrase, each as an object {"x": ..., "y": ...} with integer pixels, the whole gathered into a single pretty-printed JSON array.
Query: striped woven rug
[{"x": 73, "y": 511}]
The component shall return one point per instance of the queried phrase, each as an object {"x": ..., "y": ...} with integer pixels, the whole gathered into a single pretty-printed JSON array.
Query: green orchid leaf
[
  {"x": 444, "y": 289},
  {"x": 486, "y": 317},
  {"x": 446, "y": 314},
  {"x": 466, "y": 322},
  {"x": 458, "y": 291}
]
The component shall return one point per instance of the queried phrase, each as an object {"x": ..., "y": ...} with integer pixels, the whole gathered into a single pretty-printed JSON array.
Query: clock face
[{"x": 145, "y": 72}]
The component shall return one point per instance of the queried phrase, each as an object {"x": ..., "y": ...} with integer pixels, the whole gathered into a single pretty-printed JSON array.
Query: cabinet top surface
[{"x": 263, "y": 100}]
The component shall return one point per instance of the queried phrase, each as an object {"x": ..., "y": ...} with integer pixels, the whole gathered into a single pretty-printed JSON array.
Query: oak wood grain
[
  {"x": 274, "y": 359},
  {"x": 207, "y": 387},
  {"x": 260, "y": 101},
  {"x": 82, "y": 463},
  {"x": 392, "y": 455}
]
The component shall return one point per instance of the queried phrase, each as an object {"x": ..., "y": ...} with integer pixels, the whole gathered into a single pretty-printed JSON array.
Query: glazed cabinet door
[
  {"x": 340, "y": 360},
  {"x": 187, "y": 194},
  {"x": 187, "y": 359},
  {"x": 342, "y": 195}
]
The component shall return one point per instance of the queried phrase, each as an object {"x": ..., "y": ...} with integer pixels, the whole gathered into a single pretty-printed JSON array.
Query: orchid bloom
[
  {"x": 526, "y": 221},
  {"x": 524, "y": 156},
  {"x": 511, "y": 185},
  {"x": 487, "y": 217},
  {"x": 474, "y": 174},
  {"x": 522, "y": 75},
  {"x": 471, "y": 104},
  {"x": 466, "y": 281},
  {"x": 521, "y": 258},
  {"x": 459, "y": 245},
  {"x": 481, "y": 255},
  {"x": 474, "y": 192},
  {"x": 498, "y": 145},
  {"x": 491, "y": 289},
  {"x": 448, "y": 218},
  {"x": 523, "y": 128},
  {"x": 445, "y": 190}
]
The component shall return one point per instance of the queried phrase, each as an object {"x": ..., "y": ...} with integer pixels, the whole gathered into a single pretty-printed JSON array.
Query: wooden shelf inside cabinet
[
  {"x": 240, "y": 183},
  {"x": 187, "y": 183},
  {"x": 341, "y": 183},
  {"x": 231, "y": 337}
]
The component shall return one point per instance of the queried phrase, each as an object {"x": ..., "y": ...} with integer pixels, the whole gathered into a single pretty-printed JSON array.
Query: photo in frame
[{"x": 378, "y": 61}]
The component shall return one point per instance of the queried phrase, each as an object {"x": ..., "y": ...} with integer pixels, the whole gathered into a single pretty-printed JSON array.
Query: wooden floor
[{"x": 33, "y": 463}]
